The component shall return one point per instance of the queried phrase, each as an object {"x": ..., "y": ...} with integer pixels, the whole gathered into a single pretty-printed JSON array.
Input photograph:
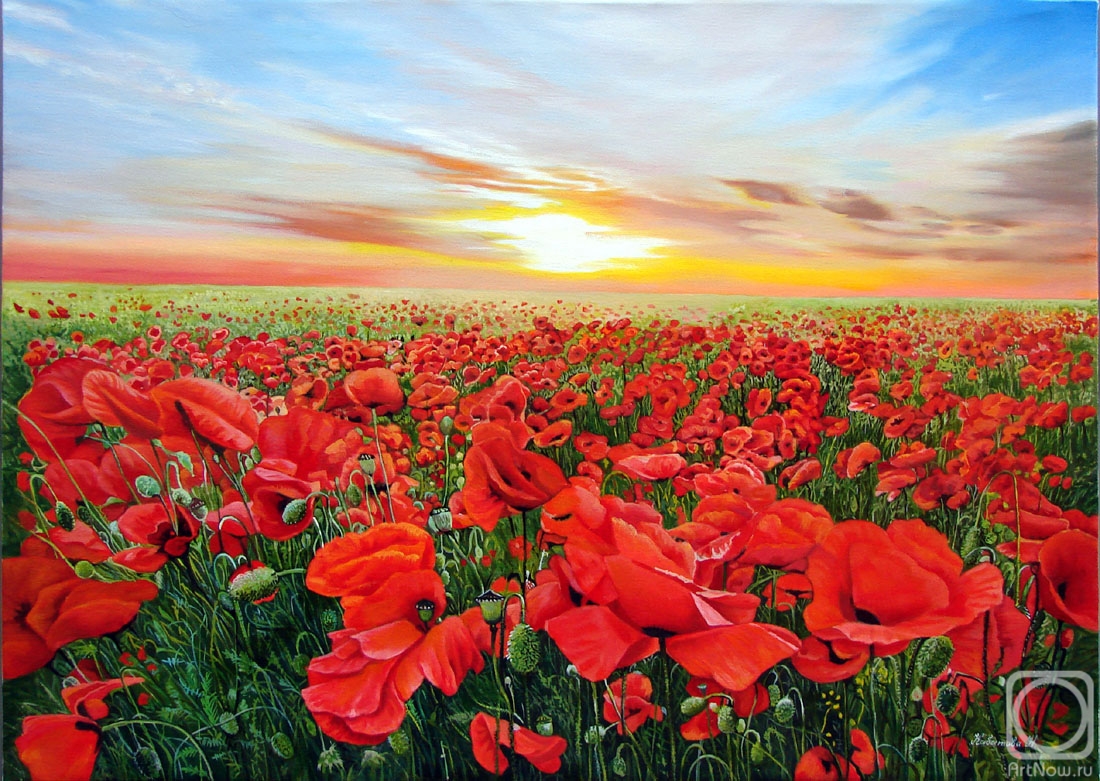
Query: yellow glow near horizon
[{"x": 565, "y": 244}]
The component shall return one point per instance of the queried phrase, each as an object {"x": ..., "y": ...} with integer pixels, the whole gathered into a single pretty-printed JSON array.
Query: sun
[{"x": 564, "y": 244}]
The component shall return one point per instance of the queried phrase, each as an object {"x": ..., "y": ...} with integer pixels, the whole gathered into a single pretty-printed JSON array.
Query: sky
[{"x": 783, "y": 148}]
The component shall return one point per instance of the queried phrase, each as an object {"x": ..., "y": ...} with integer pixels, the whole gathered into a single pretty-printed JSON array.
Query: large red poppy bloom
[
  {"x": 111, "y": 401},
  {"x": 194, "y": 410},
  {"x": 884, "y": 587},
  {"x": 55, "y": 408},
  {"x": 46, "y": 605},
  {"x": 1068, "y": 578},
  {"x": 501, "y": 479},
  {"x": 359, "y": 564},
  {"x": 488, "y": 734},
  {"x": 317, "y": 445},
  {"x": 64, "y": 747},
  {"x": 168, "y": 529},
  {"x": 271, "y": 490}
]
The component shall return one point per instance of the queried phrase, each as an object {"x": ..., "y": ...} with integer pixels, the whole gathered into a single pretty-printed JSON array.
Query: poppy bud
[
  {"x": 282, "y": 745},
  {"x": 180, "y": 496},
  {"x": 446, "y": 425},
  {"x": 253, "y": 584},
  {"x": 756, "y": 754},
  {"x": 524, "y": 651},
  {"x": 774, "y": 693},
  {"x": 918, "y": 749},
  {"x": 147, "y": 486},
  {"x": 784, "y": 710},
  {"x": 300, "y": 663},
  {"x": 934, "y": 656},
  {"x": 400, "y": 743},
  {"x": 65, "y": 517},
  {"x": 354, "y": 495},
  {"x": 295, "y": 511},
  {"x": 693, "y": 706},
  {"x": 330, "y": 621},
  {"x": 618, "y": 766},
  {"x": 330, "y": 761},
  {"x": 147, "y": 763},
  {"x": 592, "y": 735},
  {"x": 372, "y": 758},
  {"x": 727, "y": 719},
  {"x": 85, "y": 569}
]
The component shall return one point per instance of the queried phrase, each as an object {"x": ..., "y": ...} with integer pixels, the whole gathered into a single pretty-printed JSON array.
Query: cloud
[
  {"x": 1057, "y": 167},
  {"x": 856, "y": 205},
  {"x": 769, "y": 192}
]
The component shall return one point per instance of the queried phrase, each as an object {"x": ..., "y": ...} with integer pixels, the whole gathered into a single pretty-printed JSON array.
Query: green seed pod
[
  {"x": 524, "y": 649},
  {"x": 592, "y": 735},
  {"x": 295, "y": 512},
  {"x": 440, "y": 520},
  {"x": 65, "y": 518},
  {"x": 254, "y": 584},
  {"x": 934, "y": 656},
  {"x": 300, "y": 664},
  {"x": 85, "y": 569},
  {"x": 446, "y": 425},
  {"x": 727, "y": 720},
  {"x": 774, "y": 693},
  {"x": 330, "y": 761},
  {"x": 198, "y": 509},
  {"x": 618, "y": 766},
  {"x": 282, "y": 745},
  {"x": 147, "y": 763},
  {"x": 693, "y": 706},
  {"x": 368, "y": 464},
  {"x": 756, "y": 754},
  {"x": 147, "y": 486},
  {"x": 544, "y": 726},
  {"x": 784, "y": 710},
  {"x": 918, "y": 749},
  {"x": 400, "y": 743},
  {"x": 947, "y": 699}
]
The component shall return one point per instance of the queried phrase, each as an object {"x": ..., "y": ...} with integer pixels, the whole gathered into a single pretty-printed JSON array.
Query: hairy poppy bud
[
  {"x": 934, "y": 656},
  {"x": 282, "y": 745},
  {"x": 372, "y": 759},
  {"x": 756, "y": 754},
  {"x": 693, "y": 706},
  {"x": 524, "y": 651},
  {"x": 85, "y": 569},
  {"x": 784, "y": 710},
  {"x": 727, "y": 719},
  {"x": 400, "y": 743},
  {"x": 295, "y": 511},
  {"x": 180, "y": 496},
  {"x": 65, "y": 518},
  {"x": 330, "y": 620},
  {"x": 354, "y": 495},
  {"x": 147, "y": 486},
  {"x": 618, "y": 766},
  {"x": 593, "y": 735},
  {"x": 253, "y": 584},
  {"x": 774, "y": 693},
  {"x": 330, "y": 761},
  {"x": 918, "y": 749}
]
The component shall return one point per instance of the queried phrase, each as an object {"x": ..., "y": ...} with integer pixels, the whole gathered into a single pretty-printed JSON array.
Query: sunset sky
[{"x": 783, "y": 148}]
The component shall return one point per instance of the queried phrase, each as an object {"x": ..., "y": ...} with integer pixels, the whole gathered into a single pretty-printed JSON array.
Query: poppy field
[{"x": 351, "y": 534}]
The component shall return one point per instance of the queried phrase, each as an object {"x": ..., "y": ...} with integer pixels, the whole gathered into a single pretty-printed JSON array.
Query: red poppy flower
[
  {"x": 630, "y": 706},
  {"x": 501, "y": 479},
  {"x": 377, "y": 389},
  {"x": 65, "y": 747},
  {"x": 1068, "y": 578},
  {"x": 651, "y": 466},
  {"x": 359, "y": 564},
  {"x": 798, "y": 474},
  {"x": 886, "y": 587},
  {"x": 111, "y": 401},
  {"x": 194, "y": 409},
  {"x": 316, "y": 444},
  {"x": 169, "y": 530},
  {"x": 849, "y": 463},
  {"x": 821, "y": 764},
  {"x": 745, "y": 703},
  {"x": 993, "y": 643},
  {"x": 307, "y": 391},
  {"x": 488, "y": 734},
  {"x": 55, "y": 408},
  {"x": 357, "y": 693},
  {"x": 46, "y": 605},
  {"x": 828, "y": 661},
  {"x": 271, "y": 491}
]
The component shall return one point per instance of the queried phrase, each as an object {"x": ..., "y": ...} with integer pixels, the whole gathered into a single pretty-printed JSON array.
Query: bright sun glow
[{"x": 564, "y": 244}]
